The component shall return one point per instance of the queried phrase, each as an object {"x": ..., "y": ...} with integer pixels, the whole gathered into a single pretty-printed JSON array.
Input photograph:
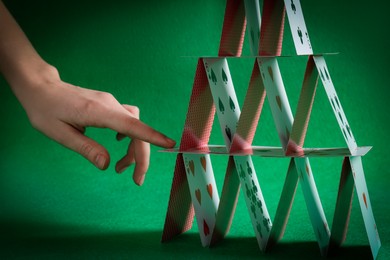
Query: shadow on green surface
[{"x": 40, "y": 240}]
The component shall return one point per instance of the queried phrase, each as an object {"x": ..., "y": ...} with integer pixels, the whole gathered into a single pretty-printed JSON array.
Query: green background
[{"x": 53, "y": 203}]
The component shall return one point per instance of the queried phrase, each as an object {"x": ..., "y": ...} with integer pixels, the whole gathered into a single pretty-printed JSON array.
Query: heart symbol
[
  {"x": 192, "y": 167},
  {"x": 210, "y": 190},
  {"x": 365, "y": 199},
  {"x": 203, "y": 162},
  {"x": 270, "y": 72},
  {"x": 307, "y": 170},
  {"x": 206, "y": 229},
  {"x": 279, "y": 102},
  {"x": 198, "y": 196}
]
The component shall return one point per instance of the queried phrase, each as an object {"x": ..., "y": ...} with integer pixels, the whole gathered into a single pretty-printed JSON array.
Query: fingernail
[
  {"x": 100, "y": 161},
  {"x": 140, "y": 180},
  {"x": 170, "y": 142},
  {"x": 122, "y": 169}
]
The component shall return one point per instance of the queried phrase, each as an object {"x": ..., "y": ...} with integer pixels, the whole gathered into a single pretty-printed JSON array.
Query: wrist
[{"x": 33, "y": 75}]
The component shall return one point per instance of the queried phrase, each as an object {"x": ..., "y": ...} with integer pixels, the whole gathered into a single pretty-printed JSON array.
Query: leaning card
[
  {"x": 298, "y": 27},
  {"x": 203, "y": 191},
  {"x": 224, "y": 96}
]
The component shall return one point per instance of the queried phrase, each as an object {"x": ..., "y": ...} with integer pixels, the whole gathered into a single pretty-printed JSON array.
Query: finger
[
  {"x": 125, "y": 121},
  {"x": 112, "y": 115},
  {"x": 136, "y": 129},
  {"x": 71, "y": 138},
  {"x": 142, "y": 159},
  {"x": 127, "y": 160}
]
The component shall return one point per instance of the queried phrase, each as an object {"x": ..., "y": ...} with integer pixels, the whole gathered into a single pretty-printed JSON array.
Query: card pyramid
[{"x": 194, "y": 191}]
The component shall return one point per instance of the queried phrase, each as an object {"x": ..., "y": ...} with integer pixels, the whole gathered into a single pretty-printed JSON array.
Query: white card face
[
  {"x": 298, "y": 27},
  {"x": 224, "y": 96},
  {"x": 204, "y": 193},
  {"x": 254, "y": 199},
  {"x": 335, "y": 103},
  {"x": 277, "y": 97},
  {"x": 253, "y": 24},
  {"x": 365, "y": 204}
]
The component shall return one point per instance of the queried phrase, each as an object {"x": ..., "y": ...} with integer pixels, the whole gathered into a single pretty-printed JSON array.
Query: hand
[{"x": 63, "y": 111}]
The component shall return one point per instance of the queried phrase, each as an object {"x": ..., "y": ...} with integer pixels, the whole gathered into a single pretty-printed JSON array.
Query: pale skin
[{"x": 63, "y": 111}]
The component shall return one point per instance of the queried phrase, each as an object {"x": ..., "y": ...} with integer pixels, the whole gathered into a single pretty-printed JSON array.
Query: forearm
[{"x": 19, "y": 62}]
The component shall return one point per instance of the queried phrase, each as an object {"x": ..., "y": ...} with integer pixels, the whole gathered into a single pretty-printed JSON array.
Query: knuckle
[
  {"x": 105, "y": 96},
  {"x": 135, "y": 111},
  {"x": 85, "y": 149}
]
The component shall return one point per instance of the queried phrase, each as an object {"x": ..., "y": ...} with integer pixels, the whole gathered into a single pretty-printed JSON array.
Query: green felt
[{"x": 54, "y": 204}]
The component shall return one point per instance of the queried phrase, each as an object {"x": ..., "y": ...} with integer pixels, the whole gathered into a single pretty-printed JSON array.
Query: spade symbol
[
  {"x": 331, "y": 100},
  {"x": 224, "y": 77},
  {"x": 326, "y": 74},
  {"x": 228, "y": 133},
  {"x": 221, "y": 106},
  {"x": 271, "y": 74},
  {"x": 249, "y": 169},
  {"x": 300, "y": 34},
  {"x": 248, "y": 192},
  {"x": 337, "y": 101},
  {"x": 265, "y": 223},
  {"x": 322, "y": 75},
  {"x": 253, "y": 209},
  {"x": 231, "y": 103},
  {"x": 293, "y": 7},
  {"x": 242, "y": 173},
  {"x": 260, "y": 205},
  {"x": 213, "y": 77},
  {"x": 341, "y": 118},
  {"x": 348, "y": 130},
  {"x": 254, "y": 187},
  {"x": 258, "y": 227}
]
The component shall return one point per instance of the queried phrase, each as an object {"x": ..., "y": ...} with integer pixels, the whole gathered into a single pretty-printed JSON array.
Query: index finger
[{"x": 135, "y": 128}]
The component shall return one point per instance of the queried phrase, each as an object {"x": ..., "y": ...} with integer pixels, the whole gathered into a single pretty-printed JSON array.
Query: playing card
[
  {"x": 251, "y": 111},
  {"x": 285, "y": 204},
  {"x": 277, "y": 97},
  {"x": 233, "y": 30},
  {"x": 253, "y": 24},
  {"x": 224, "y": 96},
  {"x": 180, "y": 212},
  {"x": 305, "y": 104},
  {"x": 197, "y": 129},
  {"x": 203, "y": 192},
  {"x": 298, "y": 27},
  {"x": 228, "y": 202},
  {"x": 343, "y": 206},
  {"x": 365, "y": 204},
  {"x": 313, "y": 203},
  {"x": 335, "y": 103},
  {"x": 272, "y": 28},
  {"x": 254, "y": 199},
  {"x": 228, "y": 112}
]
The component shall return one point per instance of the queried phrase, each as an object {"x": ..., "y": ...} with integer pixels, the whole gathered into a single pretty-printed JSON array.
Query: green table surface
[{"x": 54, "y": 204}]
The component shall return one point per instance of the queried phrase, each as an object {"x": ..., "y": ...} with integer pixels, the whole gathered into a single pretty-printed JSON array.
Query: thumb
[{"x": 75, "y": 140}]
